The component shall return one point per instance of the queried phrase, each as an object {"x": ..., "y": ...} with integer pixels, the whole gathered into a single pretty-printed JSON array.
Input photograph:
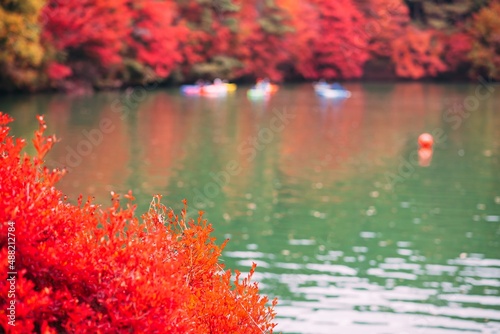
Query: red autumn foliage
[
  {"x": 115, "y": 42},
  {"x": 341, "y": 50},
  {"x": 304, "y": 18},
  {"x": 418, "y": 54},
  {"x": 108, "y": 34},
  {"x": 385, "y": 20},
  {"x": 88, "y": 269},
  {"x": 210, "y": 32},
  {"x": 91, "y": 29},
  {"x": 155, "y": 39},
  {"x": 457, "y": 47},
  {"x": 262, "y": 40},
  {"x": 57, "y": 71}
]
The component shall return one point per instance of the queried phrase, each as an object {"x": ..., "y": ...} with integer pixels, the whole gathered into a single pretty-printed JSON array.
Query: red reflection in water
[
  {"x": 160, "y": 135},
  {"x": 88, "y": 141},
  {"x": 323, "y": 137},
  {"x": 424, "y": 156},
  {"x": 168, "y": 133}
]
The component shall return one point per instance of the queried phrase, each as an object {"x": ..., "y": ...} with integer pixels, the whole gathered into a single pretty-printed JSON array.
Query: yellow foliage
[
  {"x": 20, "y": 48},
  {"x": 485, "y": 53}
]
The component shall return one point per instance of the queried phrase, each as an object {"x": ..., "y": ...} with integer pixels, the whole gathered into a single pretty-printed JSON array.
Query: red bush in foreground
[{"x": 87, "y": 269}]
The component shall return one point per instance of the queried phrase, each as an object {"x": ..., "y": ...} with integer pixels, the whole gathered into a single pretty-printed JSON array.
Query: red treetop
[{"x": 341, "y": 50}]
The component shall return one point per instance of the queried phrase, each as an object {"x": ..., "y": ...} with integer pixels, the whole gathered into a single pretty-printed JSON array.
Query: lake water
[{"x": 332, "y": 199}]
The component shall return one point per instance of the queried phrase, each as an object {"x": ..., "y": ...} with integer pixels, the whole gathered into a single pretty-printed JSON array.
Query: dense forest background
[{"x": 99, "y": 44}]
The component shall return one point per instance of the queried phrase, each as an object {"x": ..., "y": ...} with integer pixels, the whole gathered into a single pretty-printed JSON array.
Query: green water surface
[{"x": 328, "y": 197}]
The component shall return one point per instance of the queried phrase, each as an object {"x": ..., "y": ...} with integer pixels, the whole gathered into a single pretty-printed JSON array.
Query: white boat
[
  {"x": 262, "y": 90},
  {"x": 331, "y": 91},
  {"x": 214, "y": 90},
  {"x": 257, "y": 93},
  {"x": 334, "y": 93}
]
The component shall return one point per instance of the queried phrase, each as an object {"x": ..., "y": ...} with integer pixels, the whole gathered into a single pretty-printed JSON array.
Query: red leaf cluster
[
  {"x": 57, "y": 71},
  {"x": 88, "y": 269},
  {"x": 262, "y": 40},
  {"x": 91, "y": 28},
  {"x": 418, "y": 54},
  {"x": 304, "y": 18},
  {"x": 155, "y": 38},
  {"x": 334, "y": 47},
  {"x": 111, "y": 33},
  {"x": 385, "y": 21},
  {"x": 457, "y": 48}
]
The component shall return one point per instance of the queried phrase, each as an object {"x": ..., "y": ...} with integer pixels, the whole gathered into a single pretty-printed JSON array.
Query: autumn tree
[
  {"x": 88, "y": 36},
  {"x": 212, "y": 29},
  {"x": 154, "y": 40},
  {"x": 106, "y": 43},
  {"x": 21, "y": 53},
  {"x": 300, "y": 42},
  {"x": 98, "y": 44},
  {"x": 457, "y": 46},
  {"x": 418, "y": 54},
  {"x": 341, "y": 50},
  {"x": 485, "y": 31},
  {"x": 262, "y": 45},
  {"x": 385, "y": 20}
]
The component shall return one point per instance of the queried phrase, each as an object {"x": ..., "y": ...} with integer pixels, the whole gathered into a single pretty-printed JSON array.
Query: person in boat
[
  {"x": 266, "y": 85},
  {"x": 263, "y": 84},
  {"x": 258, "y": 83},
  {"x": 321, "y": 84}
]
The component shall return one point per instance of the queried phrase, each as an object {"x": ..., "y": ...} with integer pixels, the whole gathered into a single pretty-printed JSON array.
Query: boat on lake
[
  {"x": 335, "y": 90},
  {"x": 214, "y": 90},
  {"x": 262, "y": 89},
  {"x": 231, "y": 87},
  {"x": 218, "y": 88},
  {"x": 191, "y": 89}
]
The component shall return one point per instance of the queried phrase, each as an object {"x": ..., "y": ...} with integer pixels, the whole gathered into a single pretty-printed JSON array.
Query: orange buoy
[{"x": 425, "y": 140}]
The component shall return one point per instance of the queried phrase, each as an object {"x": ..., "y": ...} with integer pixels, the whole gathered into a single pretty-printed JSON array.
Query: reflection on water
[
  {"x": 327, "y": 197},
  {"x": 404, "y": 294}
]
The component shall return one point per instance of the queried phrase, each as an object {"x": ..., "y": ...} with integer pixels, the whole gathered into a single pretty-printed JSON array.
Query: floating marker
[{"x": 425, "y": 140}]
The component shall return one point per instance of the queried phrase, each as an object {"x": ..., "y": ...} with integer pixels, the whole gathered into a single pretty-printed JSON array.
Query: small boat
[
  {"x": 334, "y": 93},
  {"x": 262, "y": 89},
  {"x": 331, "y": 91},
  {"x": 231, "y": 87},
  {"x": 191, "y": 89},
  {"x": 219, "y": 88},
  {"x": 214, "y": 90},
  {"x": 271, "y": 89},
  {"x": 257, "y": 93}
]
